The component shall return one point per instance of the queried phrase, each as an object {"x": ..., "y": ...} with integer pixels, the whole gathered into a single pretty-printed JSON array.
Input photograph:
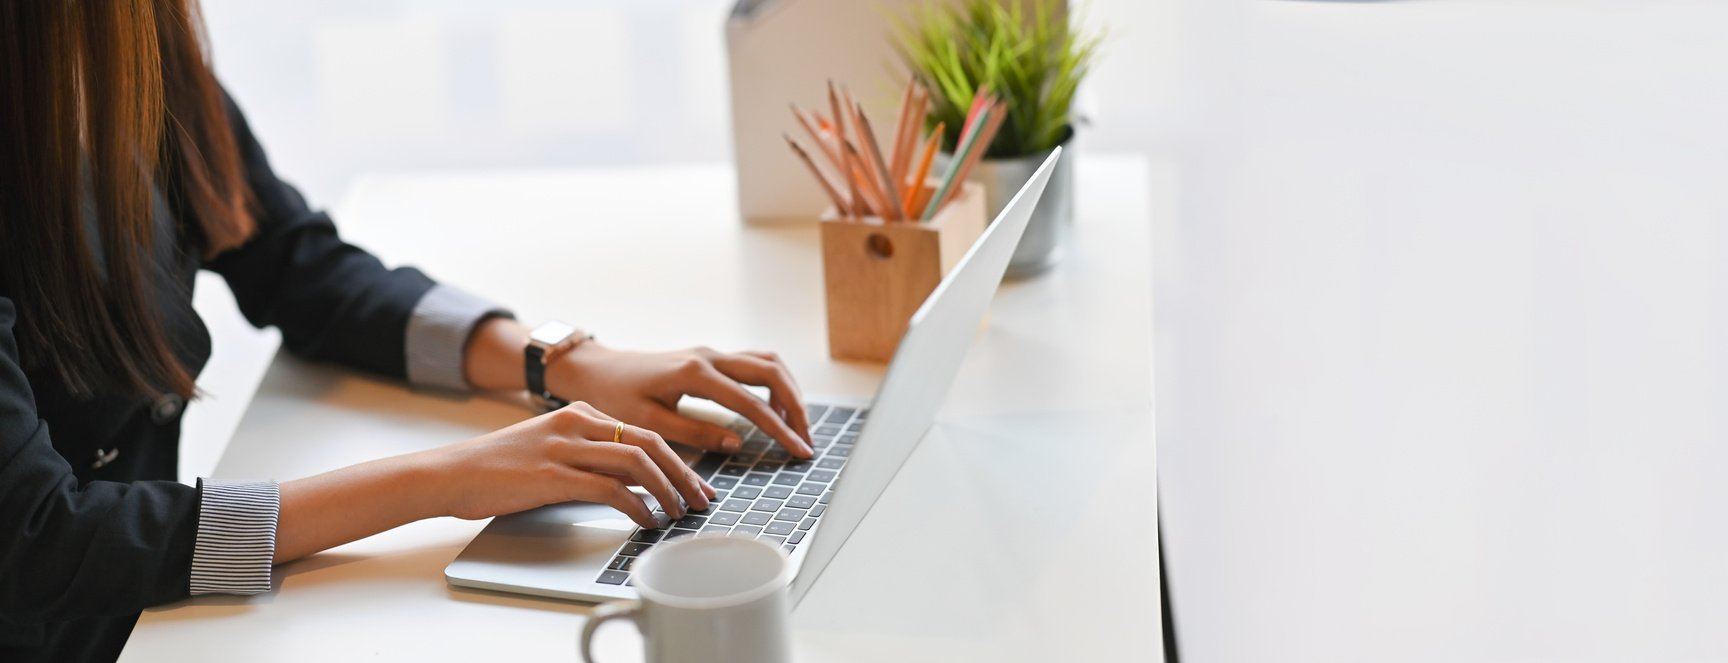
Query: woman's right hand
[{"x": 561, "y": 456}]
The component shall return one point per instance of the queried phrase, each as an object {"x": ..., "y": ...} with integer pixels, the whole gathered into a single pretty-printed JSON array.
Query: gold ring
[{"x": 618, "y": 432}]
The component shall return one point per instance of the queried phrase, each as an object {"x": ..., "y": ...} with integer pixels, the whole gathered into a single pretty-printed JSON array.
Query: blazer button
[
  {"x": 166, "y": 408},
  {"x": 104, "y": 458}
]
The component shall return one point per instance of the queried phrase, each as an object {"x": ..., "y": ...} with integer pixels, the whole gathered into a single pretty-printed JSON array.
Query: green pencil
[{"x": 958, "y": 160}]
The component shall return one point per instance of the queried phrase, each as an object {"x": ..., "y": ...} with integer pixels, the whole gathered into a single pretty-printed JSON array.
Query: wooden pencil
[
  {"x": 968, "y": 142},
  {"x": 815, "y": 134},
  {"x": 998, "y": 114},
  {"x": 840, "y": 205},
  {"x": 915, "y": 185},
  {"x": 840, "y": 141},
  {"x": 903, "y": 137},
  {"x": 873, "y": 150},
  {"x": 866, "y": 184}
]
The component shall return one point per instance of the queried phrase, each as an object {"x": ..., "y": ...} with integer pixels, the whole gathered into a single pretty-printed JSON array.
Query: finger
[
  {"x": 784, "y": 396},
  {"x": 695, "y": 491},
  {"x": 628, "y": 461},
  {"x": 716, "y": 386},
  {"x": 598, "y": 488},
  {"x": 696, "y": 433}
]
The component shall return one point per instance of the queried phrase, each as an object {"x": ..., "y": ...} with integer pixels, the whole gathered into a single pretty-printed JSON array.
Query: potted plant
[{"x": 1034, "y": 64}]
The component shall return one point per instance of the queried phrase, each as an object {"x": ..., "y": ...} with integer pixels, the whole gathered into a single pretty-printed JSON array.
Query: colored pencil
[
  {"x": 915, "y": 186},
  {"x": 998, "y": 114},
  {"x": 816, "y": 135},
  {"x": 867, "y": 186},
  {"x": 872, "y": 149},
  {"x": 840, "y": 205},
  {"x": 840, "y": 141},
  {"x": 961, "y": 152},
  {"x": 904, "y": 137}
]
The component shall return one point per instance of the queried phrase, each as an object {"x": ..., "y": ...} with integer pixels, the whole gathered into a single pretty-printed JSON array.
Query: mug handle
[{"x": 604, "y": 613}]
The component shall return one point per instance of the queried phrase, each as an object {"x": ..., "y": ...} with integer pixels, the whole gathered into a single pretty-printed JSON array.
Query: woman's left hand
[{"x": 643, "y": 389}]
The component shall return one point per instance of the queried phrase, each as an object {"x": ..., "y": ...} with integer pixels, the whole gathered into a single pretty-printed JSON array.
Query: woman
[{"x": 125, "y": 169}]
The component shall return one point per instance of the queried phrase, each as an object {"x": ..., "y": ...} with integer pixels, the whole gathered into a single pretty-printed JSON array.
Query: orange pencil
[
  {"x": 865, "y": 183},
  {"x": 890, "y": 191},
  {"x": 915, "y": 186},
  {"x": 840, "y": 205}
]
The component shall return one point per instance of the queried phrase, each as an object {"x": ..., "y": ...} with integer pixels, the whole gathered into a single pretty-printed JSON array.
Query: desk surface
[{"x": 1022, "y": 528}]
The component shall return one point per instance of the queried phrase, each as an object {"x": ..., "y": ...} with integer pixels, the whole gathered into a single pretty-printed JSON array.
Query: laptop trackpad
[{"x": 564, "y": 536}]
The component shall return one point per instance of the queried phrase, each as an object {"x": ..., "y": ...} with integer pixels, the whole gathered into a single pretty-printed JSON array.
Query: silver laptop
[{"x": 807, "y": 507}]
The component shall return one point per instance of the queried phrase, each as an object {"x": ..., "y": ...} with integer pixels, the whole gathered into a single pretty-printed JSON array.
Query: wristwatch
[{"x": 546, "y": 343}]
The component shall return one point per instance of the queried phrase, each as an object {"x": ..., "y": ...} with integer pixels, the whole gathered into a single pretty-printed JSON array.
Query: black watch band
[{"x": 542, "y": 341}]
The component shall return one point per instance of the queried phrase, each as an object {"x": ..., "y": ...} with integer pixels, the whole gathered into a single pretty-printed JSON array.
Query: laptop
[{"x": 806, "y": 507}]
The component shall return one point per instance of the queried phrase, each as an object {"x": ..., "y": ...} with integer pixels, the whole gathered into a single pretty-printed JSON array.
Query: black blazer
[{"x": 83, "y": 548}]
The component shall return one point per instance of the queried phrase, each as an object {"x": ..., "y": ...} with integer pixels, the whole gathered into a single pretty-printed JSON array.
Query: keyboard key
[
  {"x": 613, "y": 577},
  {"x": 777, "y": 492},
  {"x": 798, "y": 466},
  {"x": 746, "y": 531},
  {"x": 787, "y": 479},
  {"x": 758, "y": 518},
  {"x": 831, "y": 463},
  {"x": 691, "y": 522},
  {"x": 793, "y": 515},
  {"x": 782, "y": 527},
  {"x": 839, "y": 451},
  {"x": 708, "y": 464},
  {"x": 766, "y": 467},
  {"x": 733, "y": 470},
  {"x": 719, "y": 496},
  {"x": 747, "y": 492},
  {"x": 724, "y": 483},
  {"x": 767, "y": 505},
  {"x": 855, "y": 428},
  {"x": 789, "y": 549},
  {"x": 618, "y": 563},
  {"x": 777, "y": 455},
  {"x": 820, "y": 442},
  {"x": 863, "y": 415},
  {"x": 675, "y": 534},
  {"x": 842, "y": 414},
  {"x": 825, "y": 497},
  {"x": 811, "y": 489},
  {"x": 801, "y": 501},
  {"x": 818, "y": 509},
  {"x": 776, "y": 540},
  {"x": 716, "y": 530},
  {"x": 757, "y": 444},
  {"x": 633, "y": 549},
  {"x": 821, "y": 476},
  {"x": 816, "y": 411},
  {"x": 807, "y": 524},
  {"x": 827, "y": 431},
  {"x": 796, "y": 537},
  {"x": 724, "y": 518},
  {"x": 735, "y": 505},
  {"x": 647, "y": 535},
  {"x": 757, "y": 479},
  {"x": 628, "y": 562},
  {"x": 848, "y": 439}
]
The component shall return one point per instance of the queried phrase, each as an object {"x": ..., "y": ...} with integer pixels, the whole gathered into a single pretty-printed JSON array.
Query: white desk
[{"x": 1022, "y": 528}]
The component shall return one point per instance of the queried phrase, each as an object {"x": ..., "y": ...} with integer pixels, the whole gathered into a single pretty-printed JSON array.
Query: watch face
[{"x": 551, "y": 333}]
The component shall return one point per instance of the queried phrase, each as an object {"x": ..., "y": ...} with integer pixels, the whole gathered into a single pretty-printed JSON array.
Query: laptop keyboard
[{"x": 764, "y": 493}]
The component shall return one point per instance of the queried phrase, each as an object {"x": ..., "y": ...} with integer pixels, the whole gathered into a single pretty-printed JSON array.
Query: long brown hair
[{"x": 120, "y": 88}]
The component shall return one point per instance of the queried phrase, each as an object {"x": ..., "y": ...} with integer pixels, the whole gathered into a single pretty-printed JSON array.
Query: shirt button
[{"x": 166, "y": 408}]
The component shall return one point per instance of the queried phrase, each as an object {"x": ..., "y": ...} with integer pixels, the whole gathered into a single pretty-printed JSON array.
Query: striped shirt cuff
[
  {"x": 437, "y": 336},
  {"x": 236, "y": 539}
]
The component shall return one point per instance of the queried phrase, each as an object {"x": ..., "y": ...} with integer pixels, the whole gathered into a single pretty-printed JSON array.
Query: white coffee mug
[{"x": 711, "y": 599}]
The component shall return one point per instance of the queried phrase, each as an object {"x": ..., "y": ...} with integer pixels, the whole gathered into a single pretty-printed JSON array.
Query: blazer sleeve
[
  {"x": 332, "y": 300},
  {"x": 66, "y": 552}
]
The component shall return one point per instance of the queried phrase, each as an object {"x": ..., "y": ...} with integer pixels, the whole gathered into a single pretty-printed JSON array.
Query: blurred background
[{"x": 336, "y": 88}]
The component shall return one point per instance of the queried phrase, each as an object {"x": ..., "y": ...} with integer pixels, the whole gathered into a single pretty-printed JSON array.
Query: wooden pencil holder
[{"x": 877, "y": 273}]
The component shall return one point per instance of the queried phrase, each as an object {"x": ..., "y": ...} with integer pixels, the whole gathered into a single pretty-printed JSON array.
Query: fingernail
[{"x": 731, "y": 444}]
